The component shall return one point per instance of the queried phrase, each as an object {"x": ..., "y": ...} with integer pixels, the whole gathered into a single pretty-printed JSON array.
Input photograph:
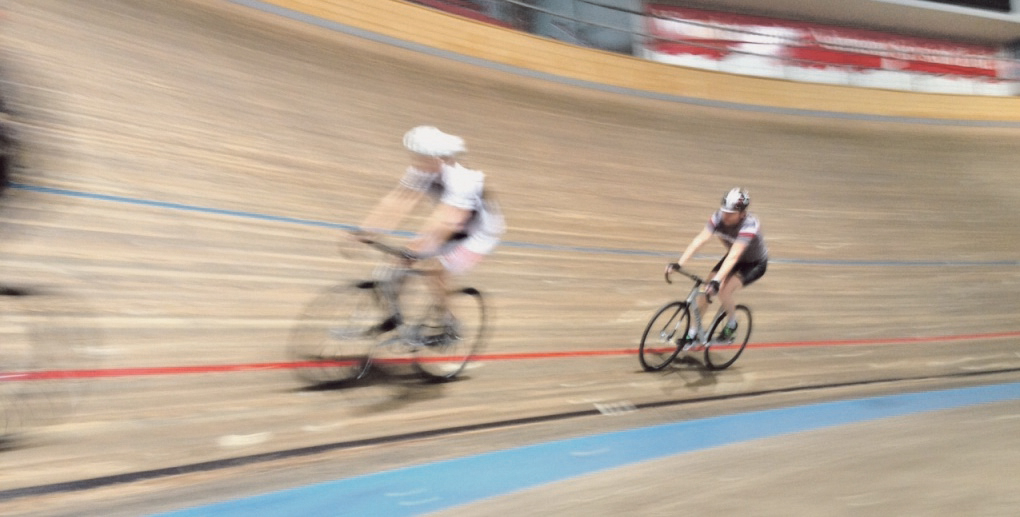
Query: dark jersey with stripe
[{"x": 748, "y": 230}]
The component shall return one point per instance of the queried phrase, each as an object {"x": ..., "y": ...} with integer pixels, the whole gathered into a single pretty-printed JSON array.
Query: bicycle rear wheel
[
  {"x": 447, "y": 346},
  {"x": 334, "y": 334},
  {"x": 19, "y": 360},
  {"x": 663, "y": 336},
  {"x": 47, "y": 339},
  {"x": 721, "y": 353}
]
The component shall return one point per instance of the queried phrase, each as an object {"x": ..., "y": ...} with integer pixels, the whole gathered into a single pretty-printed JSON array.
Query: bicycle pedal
[
  {"x": 436, "y": 341},
  {"x": 388, "y": 324},
  {"x": 407, "y": 347},
  {"x": 693, "y": 346}
]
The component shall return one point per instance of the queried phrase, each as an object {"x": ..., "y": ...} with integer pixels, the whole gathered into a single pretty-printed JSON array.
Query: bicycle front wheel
[
  {"x": 448, "y": 345},
  {"x": 334, "y": 334},
  {"x": 723, "y": 351},
  {"x": 663, "y": 336}
]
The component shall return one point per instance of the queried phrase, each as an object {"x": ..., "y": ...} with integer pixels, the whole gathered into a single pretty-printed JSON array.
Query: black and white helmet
[{"x": 736, "y": 200}]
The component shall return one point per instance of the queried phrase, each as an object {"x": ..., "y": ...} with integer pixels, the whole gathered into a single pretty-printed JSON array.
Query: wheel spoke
[
  {"x": 670, "y": 324},
  {"x": 333, "y": 336},
  {"x": 723, "y": 351},
  {"x": 447, "y": 344}
]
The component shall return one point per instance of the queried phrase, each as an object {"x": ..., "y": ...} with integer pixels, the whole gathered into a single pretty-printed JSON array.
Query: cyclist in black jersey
[{"x": 746, "y": 253}]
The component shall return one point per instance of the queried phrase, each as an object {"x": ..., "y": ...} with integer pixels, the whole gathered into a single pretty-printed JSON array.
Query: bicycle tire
[
  {"x": 44, "y": 338},
  {"x": 18, "y": 359},
  {"x": 335, "y": 332},
  {"x": 719, "y": 355},
  {"x": 662, "y": 340},
  {"x": 448, "y": 355}
]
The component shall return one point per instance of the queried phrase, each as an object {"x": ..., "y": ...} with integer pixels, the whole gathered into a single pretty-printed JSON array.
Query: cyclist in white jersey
[
  {"x": 746, "y": 257},
  {"x": 464, "y": 225}
]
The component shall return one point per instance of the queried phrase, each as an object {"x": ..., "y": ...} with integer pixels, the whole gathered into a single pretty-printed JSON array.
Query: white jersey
[{"x": 462, "y": 188}]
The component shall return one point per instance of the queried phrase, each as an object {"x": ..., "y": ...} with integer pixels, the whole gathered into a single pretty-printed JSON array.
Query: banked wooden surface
[{"x": 188, "y": 165}]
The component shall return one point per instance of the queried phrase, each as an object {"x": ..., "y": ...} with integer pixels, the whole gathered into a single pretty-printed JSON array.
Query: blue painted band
[{"x": 435, "y": 486}]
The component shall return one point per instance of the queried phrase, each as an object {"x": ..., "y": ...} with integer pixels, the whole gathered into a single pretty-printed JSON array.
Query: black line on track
[{"x": 205, "y": 466}]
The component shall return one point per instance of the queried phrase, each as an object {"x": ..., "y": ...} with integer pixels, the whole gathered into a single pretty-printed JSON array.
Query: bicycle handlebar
[
  {"x": 385, "y": 248},
  {"x": 402, "y": 253},
  {"x": 697, "y": 279}
]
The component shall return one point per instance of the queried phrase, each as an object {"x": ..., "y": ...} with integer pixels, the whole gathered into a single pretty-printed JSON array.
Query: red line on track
[{"x": 226, "y": 368}]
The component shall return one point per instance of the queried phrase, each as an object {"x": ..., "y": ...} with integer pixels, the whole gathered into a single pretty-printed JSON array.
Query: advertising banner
[{"x": 717, "y": 36}]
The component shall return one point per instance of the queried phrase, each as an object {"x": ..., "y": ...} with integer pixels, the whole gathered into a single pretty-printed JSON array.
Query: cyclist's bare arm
[
  {"x": 391, "y": 209},
  {"x": 444, "y": 221},
  {"x": 699, "y": 240}
]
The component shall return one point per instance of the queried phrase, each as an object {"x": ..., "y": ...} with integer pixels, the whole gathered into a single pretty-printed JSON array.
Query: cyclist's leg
[
  {"x": 459, "y": 257},
  {"x": 743, "y": 275},
  {"x": 453, "y": 260},
  {"x": 455, "y": 327},
  {"x": 438, "y": 280},
  {"x": 459, "y": 260},
  {"x": 727, "y": 293}
]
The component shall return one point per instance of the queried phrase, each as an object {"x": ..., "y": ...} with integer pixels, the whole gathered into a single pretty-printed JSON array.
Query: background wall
[{"x": 499, "y": 47}]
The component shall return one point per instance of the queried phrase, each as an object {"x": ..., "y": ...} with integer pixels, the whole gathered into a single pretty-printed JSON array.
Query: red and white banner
[{"x": 715, "y": 35}]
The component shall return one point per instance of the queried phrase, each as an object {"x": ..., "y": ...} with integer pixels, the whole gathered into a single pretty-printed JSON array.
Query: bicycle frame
[
  {"x": 692, "y": 301},
  {"x": 389, "y": 284},
  {"x": 390, "y": 288},
  {"x": 389, "y": 280}
]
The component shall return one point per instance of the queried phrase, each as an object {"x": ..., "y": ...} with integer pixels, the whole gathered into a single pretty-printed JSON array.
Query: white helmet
[
  {"x": 736, "y": 200},
  {"x": 430, "y": 141}
]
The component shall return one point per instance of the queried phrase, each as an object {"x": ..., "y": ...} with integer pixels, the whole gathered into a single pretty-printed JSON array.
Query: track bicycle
[
  {"x": 668, "y": 332},
  {"x": 342, "y": 331},
  {"x": 46, "y": 338},
  {"x": 47, "y": 335}
]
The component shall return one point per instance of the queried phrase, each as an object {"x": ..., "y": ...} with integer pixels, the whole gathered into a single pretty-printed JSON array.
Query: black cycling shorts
[{"x": 748, "y": 272}]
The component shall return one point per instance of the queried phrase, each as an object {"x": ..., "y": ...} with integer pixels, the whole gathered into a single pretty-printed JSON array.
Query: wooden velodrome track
[{"x": 180, "y": 159}]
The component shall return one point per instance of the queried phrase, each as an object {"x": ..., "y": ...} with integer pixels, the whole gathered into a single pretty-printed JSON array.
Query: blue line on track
[
  {"x": 180, "y": 206},
  {"x": 436, "y": 486},
  {"x": 380, "y": 38},
  {"x": 511, "y": 244}
]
